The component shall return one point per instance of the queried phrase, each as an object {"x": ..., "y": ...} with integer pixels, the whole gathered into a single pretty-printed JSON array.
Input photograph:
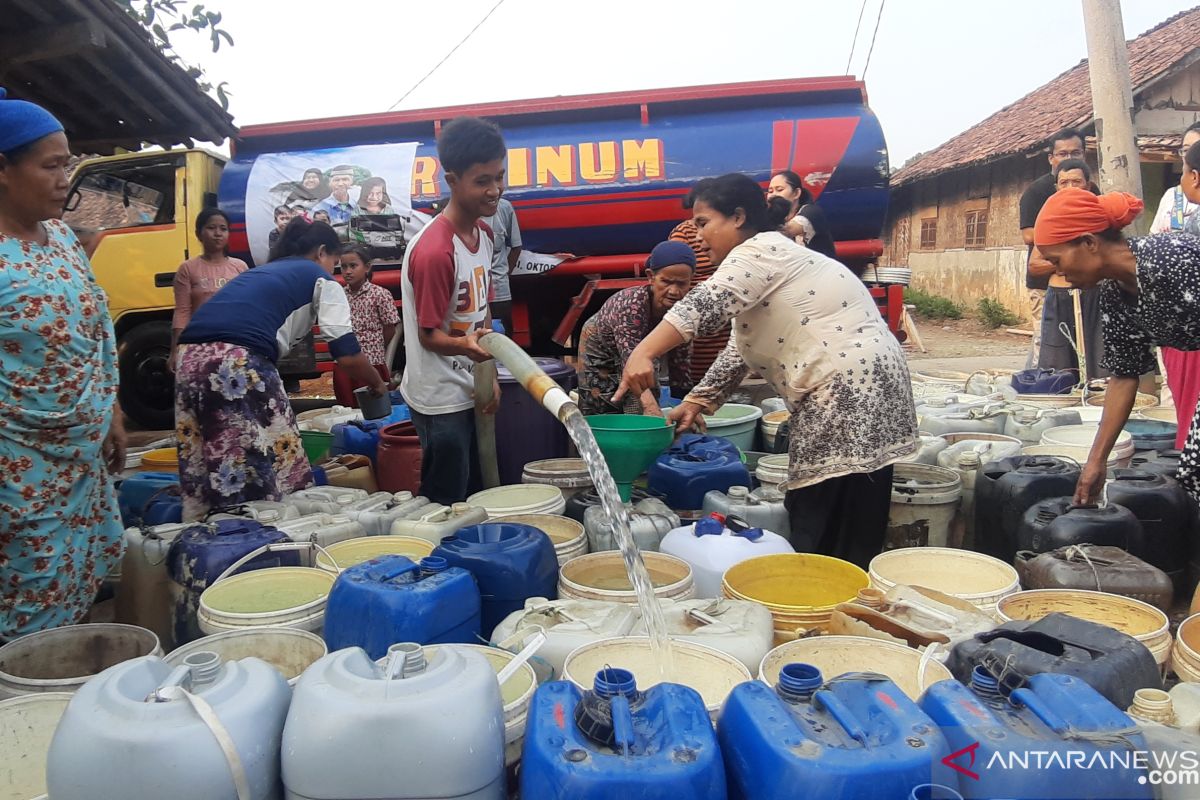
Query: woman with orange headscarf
[{"x": 1149, "y": 297}]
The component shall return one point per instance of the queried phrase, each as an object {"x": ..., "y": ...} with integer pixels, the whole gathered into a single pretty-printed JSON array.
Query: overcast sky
[{"x": 938, "y": 66}]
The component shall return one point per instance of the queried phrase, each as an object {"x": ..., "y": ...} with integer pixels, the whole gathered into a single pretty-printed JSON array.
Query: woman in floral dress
[
  {"x": 809, "y": 327},
  {"x": 1149, "y": 296},
  {"x": 623, "y": 321},
  {"x": 60, "y": 532},
  {"x": 238, "y": 439}
]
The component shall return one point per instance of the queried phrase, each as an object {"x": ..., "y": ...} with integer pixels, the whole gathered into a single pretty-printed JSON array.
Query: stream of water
[{"x": 618, "y": 516}]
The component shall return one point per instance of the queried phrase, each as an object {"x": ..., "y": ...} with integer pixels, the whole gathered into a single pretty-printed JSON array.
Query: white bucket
[
  {"x": 27, "y": 725},
  {"x": 1084, "y": 436},
  {"x": 569, "y": 474},
  {"x": 602, "y": 576},
  {"x": 981, "y": 580},
  {"x": 1077, "y": 454},
  {"x": 355, "y": 551},
  {"x": 769, "y": 426},
  {"x": 911, "y": 670},
  {"x": 772, "y": 470},
  {"x": 287, "y": 597},
  {"x": 63, "y": 659},
  {"x": 710, "y": 672},
  {"x": 520, "y": 498},
  {"x": 288, "y": 650},
  {"x": 516, "y": 694},
  {"x": 924, "y": 501},
  {"x": 569, "y": 536}
]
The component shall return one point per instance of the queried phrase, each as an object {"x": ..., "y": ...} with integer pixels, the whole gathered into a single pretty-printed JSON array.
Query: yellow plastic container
[
  {"x": 363, "y": 548},
  {"x": 164, "y": 459},
  {"x": 800, "y": 589},
  {"x": 1140, "y": 620}
]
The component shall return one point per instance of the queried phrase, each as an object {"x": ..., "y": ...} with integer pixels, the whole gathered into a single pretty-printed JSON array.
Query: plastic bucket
[
  {"x": 570, "y": 475},
  {"x": 911, "y": 670},
  {"x": 1077, "y": 454},
  {"x": 710, "y": 672},
  {"x": 981, "y": 580},
  {"x": 27, "y": 725},
  {"x": 1084, "y": 436},
  {"x": 1142, "y": 400},
  {"x": 1152, "y": 434},
  {"x": 288, "y": 650},
  {"x": 772, "y": 470},
  {"x": 289, "y": 597},
  {"x": 602, "y": 576},
  {"x": 164, "y": 459},
  {"x": 770, "y": 429},
  {"x": 1160, "y": 413},
  {"x": 569, "y": 536},
  {"x": 1185, "y": 659},
  {"x": 799, "y": 589},
  {"x": 63, "y": 659},
  {"x": 520, "y": 498},
  {"x": 924, "y": 501},
  {"x": 364, "y": 548},
  {"x": 735, "y": 422},
  {"x": 1140, "y": 620},
  {"x": 516, "y": 693},
  {"x": 316, "y": 445}
]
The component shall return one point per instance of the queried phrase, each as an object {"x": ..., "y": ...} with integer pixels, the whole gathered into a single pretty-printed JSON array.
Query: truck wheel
[{"x": 147, "y": 386}]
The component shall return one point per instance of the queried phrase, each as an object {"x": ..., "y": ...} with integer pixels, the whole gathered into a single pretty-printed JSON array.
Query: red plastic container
[{"x": 398, "y": 460}]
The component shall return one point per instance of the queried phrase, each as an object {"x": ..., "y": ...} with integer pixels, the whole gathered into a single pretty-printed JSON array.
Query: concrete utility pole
[{"x": 1112, "y": 98}]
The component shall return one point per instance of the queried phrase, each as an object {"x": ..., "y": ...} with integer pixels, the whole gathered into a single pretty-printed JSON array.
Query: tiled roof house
[{"x": 953, "y": 213}]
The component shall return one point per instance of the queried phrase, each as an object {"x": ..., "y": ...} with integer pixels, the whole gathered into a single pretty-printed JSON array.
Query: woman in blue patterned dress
[{"x": 60, "y": 532}]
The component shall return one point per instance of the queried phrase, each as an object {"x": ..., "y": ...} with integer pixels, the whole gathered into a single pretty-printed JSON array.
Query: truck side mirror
[{"x": 72, "y": 200}]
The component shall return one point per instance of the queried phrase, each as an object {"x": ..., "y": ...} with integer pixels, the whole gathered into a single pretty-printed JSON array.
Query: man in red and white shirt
[{"x": 445, "y": 291}]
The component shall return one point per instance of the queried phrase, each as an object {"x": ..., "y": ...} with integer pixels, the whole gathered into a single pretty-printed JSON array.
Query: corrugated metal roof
[{"x": 1063, "y": 102}]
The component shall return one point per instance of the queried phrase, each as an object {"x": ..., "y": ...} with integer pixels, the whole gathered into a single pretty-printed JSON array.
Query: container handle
[
  {"x": 842, "y": 714},
  {"x": 1026, "y": 697},
  {"x": 518, "y": 661},
  {"x": 280, "y": 547},
  {"x": 172, "y": 489}
]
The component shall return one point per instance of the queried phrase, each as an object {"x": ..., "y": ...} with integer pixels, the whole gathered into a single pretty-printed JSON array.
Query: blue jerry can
[
  {"x": 858, "y": 736},
  {"x": 510, "y": 562},
  {"x": 390, "y": 599},
  {"x": 694, "y": 466},
  {"x": 202, "y": 552},
  {"x": 146, "y": 491},
  {"x": 615, "y": 742},
  {"x": 361, "y": 437},
  {"x": 1056, "y": 738}
]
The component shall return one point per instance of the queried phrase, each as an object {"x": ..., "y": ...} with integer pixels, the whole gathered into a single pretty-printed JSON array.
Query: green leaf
[
  {"x": 223, "y": 96},
  {"x": 225, "y": 35},
  {"x": 216, "y": 41},
  {"x": 160, "y": 33}
]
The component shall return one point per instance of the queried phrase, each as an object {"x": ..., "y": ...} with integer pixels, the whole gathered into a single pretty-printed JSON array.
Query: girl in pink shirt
[{"x": 199, "y": 278}]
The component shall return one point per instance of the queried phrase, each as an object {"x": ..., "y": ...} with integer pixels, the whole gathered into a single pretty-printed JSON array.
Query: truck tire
[{"x": 147, "y": 386}]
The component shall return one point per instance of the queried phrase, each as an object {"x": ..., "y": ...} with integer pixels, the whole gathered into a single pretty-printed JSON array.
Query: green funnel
[{"x": 630, "y": 443}]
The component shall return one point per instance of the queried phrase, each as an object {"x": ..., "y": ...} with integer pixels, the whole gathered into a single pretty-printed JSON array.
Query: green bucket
[{"x": 316, "y": 444}]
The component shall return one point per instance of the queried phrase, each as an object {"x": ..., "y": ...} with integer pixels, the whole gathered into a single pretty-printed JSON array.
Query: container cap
[
  {"x": 611, "y": 682},
  {"x": 431, "y": 565},
  {"x": 798, "y": 681}
]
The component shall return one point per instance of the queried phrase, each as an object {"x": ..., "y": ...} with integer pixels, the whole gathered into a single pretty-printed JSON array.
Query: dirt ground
[{"x": 963, "y": 338}]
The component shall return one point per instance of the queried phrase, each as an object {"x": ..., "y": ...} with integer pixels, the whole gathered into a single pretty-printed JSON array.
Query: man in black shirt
[{"x": 1067, "y": 143}]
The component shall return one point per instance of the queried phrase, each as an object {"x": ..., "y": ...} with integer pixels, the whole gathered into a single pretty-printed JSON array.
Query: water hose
[
  {"x": 485, "y": 424},
  {"x": 527, "y": 373}
]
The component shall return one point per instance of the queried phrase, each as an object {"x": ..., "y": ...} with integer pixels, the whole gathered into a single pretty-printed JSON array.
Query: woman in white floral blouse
[{"x": 809, "y": 327}]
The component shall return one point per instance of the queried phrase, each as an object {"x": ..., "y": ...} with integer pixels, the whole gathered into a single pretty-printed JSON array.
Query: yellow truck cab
[{"x": 135, "y": 213}]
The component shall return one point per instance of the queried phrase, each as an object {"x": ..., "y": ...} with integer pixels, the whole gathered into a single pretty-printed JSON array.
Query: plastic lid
[
  {"x": 612, "y": 681},
  {"x": 460, "y": 508},
  {"x": 401, "y": 497},
  {"x": 798, "y": 681},
  {"x": 338, "y": 519},
  {"x": 343, "y": 500},
  {"x": 431, "y": 565},
  {"x": 709, "y": 526},
  {"x": 739, "y": 492},
  {"x": 983, "y": 682},
  {"x": 269, "y": 515}
]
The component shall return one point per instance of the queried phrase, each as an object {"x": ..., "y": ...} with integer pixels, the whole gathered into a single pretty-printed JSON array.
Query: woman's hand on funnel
[
  {"x": 687, "y": 417},
  {"x": 650, "y": 406},
  {"x": 639, "y": 377}
]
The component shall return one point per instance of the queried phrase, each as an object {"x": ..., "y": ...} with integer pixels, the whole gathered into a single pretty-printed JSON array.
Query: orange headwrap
[{"x": 1071, "y": 213}]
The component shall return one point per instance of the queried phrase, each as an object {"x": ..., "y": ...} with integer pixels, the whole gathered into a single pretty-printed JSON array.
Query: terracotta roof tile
[{"x": 1064, "y": 101}]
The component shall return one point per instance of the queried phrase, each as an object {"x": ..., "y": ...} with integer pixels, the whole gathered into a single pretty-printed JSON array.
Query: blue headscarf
[
  {"x": 669, "y": 253},
  {"x": 22, "y": 122}
]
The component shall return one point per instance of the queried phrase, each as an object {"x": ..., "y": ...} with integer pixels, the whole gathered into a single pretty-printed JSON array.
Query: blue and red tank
[{"x": 603, "y": 176}]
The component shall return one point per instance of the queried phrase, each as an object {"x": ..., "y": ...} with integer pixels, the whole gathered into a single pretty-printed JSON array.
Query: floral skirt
[{"x": 238, "y": 439}]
